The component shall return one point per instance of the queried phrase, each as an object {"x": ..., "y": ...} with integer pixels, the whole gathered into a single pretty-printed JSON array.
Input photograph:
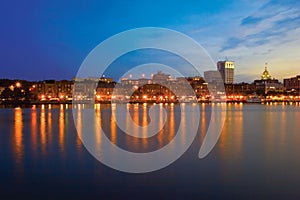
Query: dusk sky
[{"x": 50, "y": 39}]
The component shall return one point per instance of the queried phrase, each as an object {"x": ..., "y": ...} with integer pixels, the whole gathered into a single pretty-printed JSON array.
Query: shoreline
[{"x": 30, "y": 104}]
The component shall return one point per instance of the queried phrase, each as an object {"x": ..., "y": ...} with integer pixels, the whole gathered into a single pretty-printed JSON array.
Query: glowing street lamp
[
  {"x": 18, "y": 84},
  {"x": 43, "y": 97}
]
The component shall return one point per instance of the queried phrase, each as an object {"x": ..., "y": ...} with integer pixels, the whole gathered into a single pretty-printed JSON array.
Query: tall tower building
[{"x": 226, "y": 69}]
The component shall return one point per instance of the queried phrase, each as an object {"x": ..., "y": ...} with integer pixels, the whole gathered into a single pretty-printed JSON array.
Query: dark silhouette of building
[{"x": 292, "y": 83}]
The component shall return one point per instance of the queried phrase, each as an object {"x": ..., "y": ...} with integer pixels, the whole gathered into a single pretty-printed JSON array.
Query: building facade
[
  {"x": 267, "y": 83},
  {"x": 226, "y": 69},
  {"x": 53, "y": 90},
  {"x": 292, "y": 83},
  {"x": 212, "y": 76}
]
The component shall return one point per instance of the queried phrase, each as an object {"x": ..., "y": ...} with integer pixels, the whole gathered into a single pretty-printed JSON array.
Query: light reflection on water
[
  {"x": 233, "y": 130},
  {"x": 62, "y": 129},
  {"x": 258, "y": 147},
  {"x": 18, "y": 136},
  {"x": 43, "y": 129}
]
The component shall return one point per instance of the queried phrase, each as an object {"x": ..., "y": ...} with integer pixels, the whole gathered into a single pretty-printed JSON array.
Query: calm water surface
[{"x": 257, "y": 156}]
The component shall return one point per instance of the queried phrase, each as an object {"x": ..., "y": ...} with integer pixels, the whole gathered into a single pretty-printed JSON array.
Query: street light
[{"x": 18, "y": 84}]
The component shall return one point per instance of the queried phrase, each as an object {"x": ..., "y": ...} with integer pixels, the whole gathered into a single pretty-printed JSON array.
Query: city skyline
[
  {"x": 156, "y": 69},
  {"x": 148, "y": 99},
  {"x": 50, "y": 40}
]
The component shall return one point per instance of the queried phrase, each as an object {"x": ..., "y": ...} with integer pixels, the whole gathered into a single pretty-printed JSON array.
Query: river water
[{"x": 256, "y": 156}]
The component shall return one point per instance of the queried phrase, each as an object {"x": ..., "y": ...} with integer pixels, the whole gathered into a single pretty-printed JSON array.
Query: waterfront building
[
  {"x": 161, "y": 77},
  {"x": 46, "y": 89},
  {"x": 226, "y": 69},
  {"x": 53, "y": 90},
  {"x": 153, "y": 92},
  {"x": 64, "y": 89},
  {"x": 212, "y": 76},
  {"x": 240, "y": 88},
  {"x": 267, "y": 83},
  {"x": 105, "y": 89},
  {"x": 199, "y": 86},
  {"x": 85, "y": 89},
  {"x": 292, "y": 83}
]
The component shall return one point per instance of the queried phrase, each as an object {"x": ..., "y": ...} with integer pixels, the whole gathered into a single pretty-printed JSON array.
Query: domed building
[
  {"x": 267, "y": 83},
  {"x": 266, "y": 75}
]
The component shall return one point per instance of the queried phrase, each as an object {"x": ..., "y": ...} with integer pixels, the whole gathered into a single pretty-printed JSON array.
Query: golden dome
[{"x": 266, "y": 75}]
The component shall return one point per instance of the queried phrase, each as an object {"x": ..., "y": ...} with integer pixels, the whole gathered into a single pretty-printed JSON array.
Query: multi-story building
[
  {"x": 85, "y": 89},
  {"x": 267, "y": 83},
  {"x": 292, "y": 83},
  {"x": 105, "y": 89},
  {"x": 212, "y": 76},
  {"x": 240, "y": 88},
  {"x": 161, "y": 77},
  {"x": 64, "y": 89},
  {"x": 46, "y": 89},
  {"x": 51, "y": 89},
  {"x": 226, "y": 69}
]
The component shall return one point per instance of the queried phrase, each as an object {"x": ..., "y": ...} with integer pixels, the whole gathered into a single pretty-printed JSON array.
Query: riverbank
[{"x": 27, "y": 104}]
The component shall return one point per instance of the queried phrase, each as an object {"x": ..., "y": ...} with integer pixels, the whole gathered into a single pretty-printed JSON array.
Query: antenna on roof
[{"x": 226, "y": 59}]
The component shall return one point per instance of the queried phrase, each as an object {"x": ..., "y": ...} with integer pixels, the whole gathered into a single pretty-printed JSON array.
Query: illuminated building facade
[
  {"x": 267, "y": 83},
  {"x": 226, "y": 69},
  {"x": 53, "y": 90}
]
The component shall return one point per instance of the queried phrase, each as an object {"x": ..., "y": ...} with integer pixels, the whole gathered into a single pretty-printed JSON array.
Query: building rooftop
[{"x": 266, "y": 75}]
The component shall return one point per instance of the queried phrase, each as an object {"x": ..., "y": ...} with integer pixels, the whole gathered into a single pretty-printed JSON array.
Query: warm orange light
[{"x": 18, "y": 84}]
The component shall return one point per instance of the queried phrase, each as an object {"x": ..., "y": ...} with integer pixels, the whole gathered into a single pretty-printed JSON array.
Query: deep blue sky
[{"x": 50, "y": 39}]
